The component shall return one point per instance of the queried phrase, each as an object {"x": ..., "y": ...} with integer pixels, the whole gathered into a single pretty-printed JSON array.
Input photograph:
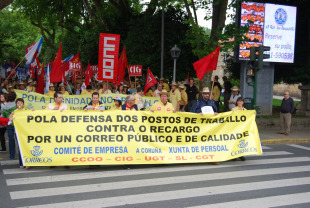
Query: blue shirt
[{"x": 196, "y": 108}]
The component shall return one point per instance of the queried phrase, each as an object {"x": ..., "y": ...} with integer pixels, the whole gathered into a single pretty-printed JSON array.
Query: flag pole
[{"x": 16, "y": 67}]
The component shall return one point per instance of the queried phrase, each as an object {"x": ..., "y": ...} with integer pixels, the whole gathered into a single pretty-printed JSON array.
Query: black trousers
[{"x": 2, "y": 139}]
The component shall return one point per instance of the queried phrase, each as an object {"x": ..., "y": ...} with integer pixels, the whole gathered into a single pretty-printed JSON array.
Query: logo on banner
[
  {"x": 280, "y": 16},
  {"x": 108, "y": 57},
  {"x": 242, "y": 144},
  {"x": 135, "y": 70},
  {"x": 75, "y": 66},
  {"x": 36, "y": 151}
]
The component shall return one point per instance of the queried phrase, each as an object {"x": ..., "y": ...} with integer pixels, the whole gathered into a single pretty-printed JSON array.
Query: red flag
[
  {"x": 122, "y": 65},
  {"x": 40, "y": 87},
  {"x": 206, "y": 64},
  {"x": 89, "y": 75},
  {"x": 150, "y": 81},
  {"x": 57, "y": 72},
  {"x": 108, "y": 57}
]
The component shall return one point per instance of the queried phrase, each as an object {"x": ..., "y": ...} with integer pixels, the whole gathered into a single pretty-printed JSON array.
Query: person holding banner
[
  {"x": 239, "y": 107},
  {"x": 163, "y": 104},
  {"x": 95, "y": 104},
  {"x": 20, "y": 106},
  {"x": 198, "y": 107},
  {"x": 118, "y": 103},
  {"x": 57, "y": 105},
  {"x": 51, "y": 91},
  {"x": 130, "y": 103}
]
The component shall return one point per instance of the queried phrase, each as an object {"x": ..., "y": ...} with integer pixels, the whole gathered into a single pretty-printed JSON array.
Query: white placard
[{"x": 207, "y": 110}]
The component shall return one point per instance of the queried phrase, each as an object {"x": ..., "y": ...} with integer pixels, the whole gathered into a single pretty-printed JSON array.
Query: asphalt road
[{"x": 279, "y": 178}]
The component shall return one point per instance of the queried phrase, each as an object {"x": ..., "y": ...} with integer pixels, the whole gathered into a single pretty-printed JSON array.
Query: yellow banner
[
  {"x": 54, "y": 138},
  {"x": 38, "y": 101}
]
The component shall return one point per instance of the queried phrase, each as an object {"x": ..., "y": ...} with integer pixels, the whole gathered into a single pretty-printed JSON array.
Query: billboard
[{"x": 271, "y": 25}]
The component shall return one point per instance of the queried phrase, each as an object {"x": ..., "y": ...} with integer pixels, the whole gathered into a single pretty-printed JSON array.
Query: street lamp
[{"x": 175, "y": 53}]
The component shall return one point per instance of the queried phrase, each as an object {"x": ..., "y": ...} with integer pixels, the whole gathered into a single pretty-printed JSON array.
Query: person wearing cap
[
  {"x": 22, "y": 86},
  {"x": 88, "y": 91},
  {"x": 139, "y": 101},
  {"x": 125, "y": 89},
  {"x": 183, "y": 102},
  {"x": 105, "y": 89},
  {"x": 117, "y": 103},
  {"x": 63, "y": 89},
  {"x": 159, "y": 90},
  {"x": 216, "y": 92},
  {"x": 164, "y": 83},
  {"x": 191, "y": 92},
  {"x": 227, "y": 93},
  {"x": 57, "y": 105},
  {"x": 204, "y": 101},
  {"x": 95, "y": 104},
  {"x": 78, "y": 89},
  {"x": 30, "y": 87},
  {"x": 234, "y": 96},
  {"x": 11, "y": 89},
  {"x": 51, "y": 91},
  {"x": 163, "y": 104},
  {"x": 130, "y": 104},
  {"x": 175, "y": 96}
]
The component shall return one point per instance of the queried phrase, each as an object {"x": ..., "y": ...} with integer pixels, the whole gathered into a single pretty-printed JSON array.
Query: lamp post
[{"x": 175, "y": 53}]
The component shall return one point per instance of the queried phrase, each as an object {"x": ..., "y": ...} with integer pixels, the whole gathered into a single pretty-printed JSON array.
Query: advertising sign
[{"x": 269, "y": 25}]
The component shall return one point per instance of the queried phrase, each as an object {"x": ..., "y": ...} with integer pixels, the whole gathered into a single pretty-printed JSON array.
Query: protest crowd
[{"x": 181, "y": 96}]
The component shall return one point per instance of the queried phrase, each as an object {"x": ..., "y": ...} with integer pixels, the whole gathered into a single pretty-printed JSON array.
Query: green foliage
[
  {"x": 144, "y": 40},
  {"x": 16, "y": 33}
]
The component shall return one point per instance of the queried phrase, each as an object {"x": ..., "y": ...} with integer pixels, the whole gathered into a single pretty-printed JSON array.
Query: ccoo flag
[
  {"x": 33, "y": 51},
  {"x": 206, "y": 64},
  {"x": 150, "y": 81}
]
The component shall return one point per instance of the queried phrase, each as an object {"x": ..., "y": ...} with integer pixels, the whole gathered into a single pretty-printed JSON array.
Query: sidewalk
[{"x": 270, "y": 136}]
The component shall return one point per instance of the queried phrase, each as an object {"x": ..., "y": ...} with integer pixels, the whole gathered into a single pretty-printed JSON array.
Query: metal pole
[
  {"x": 162, "y": 39},
  {"x": 254, "y": 89},
  {"x": 174, "y": 68}
]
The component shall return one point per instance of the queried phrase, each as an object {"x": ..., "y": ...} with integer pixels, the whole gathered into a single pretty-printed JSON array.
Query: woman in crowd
[
  {"x": 63, "y": 89},
  {"x": 20, "y": 106},
  {"x": 120, "y": 89},
  {"x": 118, "y": 103},
  {"x": 125, "y": 90},
  {"x": 239, "y": 107},
  {"x": 132, "y": 89},
  {"x": 4, "y": 98}
]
